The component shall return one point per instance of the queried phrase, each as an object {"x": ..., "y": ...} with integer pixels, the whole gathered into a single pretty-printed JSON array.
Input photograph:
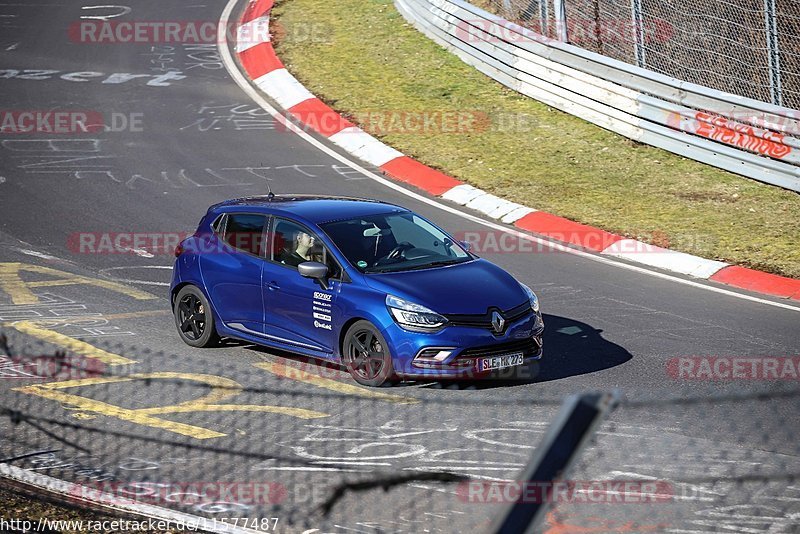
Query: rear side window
[
  {"x": 245, "y": 232},
  {"x": 218, "y": 226}
]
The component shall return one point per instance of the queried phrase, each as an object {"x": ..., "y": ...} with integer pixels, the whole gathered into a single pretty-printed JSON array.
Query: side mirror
[
  {"x": 314, "y": 270},
  {"x": 465, "y": 245}
]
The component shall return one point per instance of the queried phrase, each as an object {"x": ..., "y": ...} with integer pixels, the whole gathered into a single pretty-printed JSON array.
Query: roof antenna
[{"x": 271, "y": 195}]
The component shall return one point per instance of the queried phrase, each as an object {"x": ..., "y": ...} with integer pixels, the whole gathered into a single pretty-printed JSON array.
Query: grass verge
[
  {"x": 16, "y": 507},
  {"x": 365, "y": 61}
]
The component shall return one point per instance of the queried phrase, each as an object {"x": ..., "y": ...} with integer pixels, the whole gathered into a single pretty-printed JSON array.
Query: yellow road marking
[
  {"x": 20, "y": 292},
  {"x": 77, "y": 346},
  {"x": 221, "y": 388},
  {"x": 36, "y": 328},
  {"x": 293, "y": 373}
]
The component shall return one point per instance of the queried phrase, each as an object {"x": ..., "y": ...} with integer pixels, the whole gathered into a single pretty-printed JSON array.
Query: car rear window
[{"x": 245, "y": 232}]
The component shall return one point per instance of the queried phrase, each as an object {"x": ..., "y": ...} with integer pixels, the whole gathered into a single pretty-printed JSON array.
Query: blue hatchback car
[{"x": 368, "y": 284}]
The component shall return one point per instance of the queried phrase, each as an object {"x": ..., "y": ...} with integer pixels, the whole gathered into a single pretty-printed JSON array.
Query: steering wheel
[{"x": 397, "y": 252}]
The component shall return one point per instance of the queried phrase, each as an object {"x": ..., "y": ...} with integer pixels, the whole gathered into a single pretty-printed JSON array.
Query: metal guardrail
[{"x": 741, "y": 135}]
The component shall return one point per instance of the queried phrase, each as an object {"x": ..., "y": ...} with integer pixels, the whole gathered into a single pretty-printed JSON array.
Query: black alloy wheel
[
  {"x": 366, "y": 355},
  {"x": 194, "y": 318}
]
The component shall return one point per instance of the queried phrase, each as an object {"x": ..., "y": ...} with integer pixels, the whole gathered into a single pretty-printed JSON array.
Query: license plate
[{"x": 500, "y": 362}]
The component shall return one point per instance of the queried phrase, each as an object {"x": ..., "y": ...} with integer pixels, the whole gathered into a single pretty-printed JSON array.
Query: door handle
[{"x": 273, "y": 285}]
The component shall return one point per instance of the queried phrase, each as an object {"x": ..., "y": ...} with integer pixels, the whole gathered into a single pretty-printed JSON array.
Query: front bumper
[{"x": 467, "y": 347}]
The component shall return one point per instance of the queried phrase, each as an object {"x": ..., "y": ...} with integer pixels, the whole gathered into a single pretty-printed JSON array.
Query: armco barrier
[{"x": 741, "y": 135}]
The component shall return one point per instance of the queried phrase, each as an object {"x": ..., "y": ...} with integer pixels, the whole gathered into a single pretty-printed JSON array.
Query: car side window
[
  {"x": 293, "y": 244},
  {"x": 245, "y": 232}
]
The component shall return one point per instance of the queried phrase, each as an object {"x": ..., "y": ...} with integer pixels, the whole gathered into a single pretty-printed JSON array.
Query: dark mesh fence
[{"x": 300, "y": 442}]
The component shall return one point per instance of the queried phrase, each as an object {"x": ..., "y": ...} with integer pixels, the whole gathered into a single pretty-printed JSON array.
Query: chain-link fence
[
  {"x": 749, "y": 48},
  {"x": 294, "y": 445}
]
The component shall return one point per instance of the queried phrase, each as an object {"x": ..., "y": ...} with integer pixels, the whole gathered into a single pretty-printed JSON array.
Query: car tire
[
  {"x": 371, "y": 368},
  {"x": 194, "y": 318}
]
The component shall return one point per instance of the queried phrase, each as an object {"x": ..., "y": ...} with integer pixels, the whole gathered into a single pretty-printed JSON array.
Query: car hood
[{"x": 465, "y": 288}]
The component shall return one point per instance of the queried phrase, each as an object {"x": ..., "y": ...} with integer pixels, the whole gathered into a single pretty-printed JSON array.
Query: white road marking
[
  {"x": 351, "y": 462},
  {"x": 124, "y": 10},
  {"x": 139, "y": 252},
  {"x": 143, "y": 282},
  {"x": 434, "y": 488},
  {"x": 35, "y": 253},
  {"x": 309, "y": 469},
  {"x": 242, "y": 82},
  {"x": 138, "y": 267},
  {"x": 134, "y": 281}
]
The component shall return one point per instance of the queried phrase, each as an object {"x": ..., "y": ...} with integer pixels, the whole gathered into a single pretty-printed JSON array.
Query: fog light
[{"x": 434, "y": 354}]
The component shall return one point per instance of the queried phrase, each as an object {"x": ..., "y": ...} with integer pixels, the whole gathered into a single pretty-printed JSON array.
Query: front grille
[
  {"x": 484, "y": 320},
  {"x": 528, "y": 346}
]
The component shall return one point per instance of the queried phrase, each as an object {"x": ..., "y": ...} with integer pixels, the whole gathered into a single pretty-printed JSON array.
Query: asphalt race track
[{"x": 186, "y": 136}]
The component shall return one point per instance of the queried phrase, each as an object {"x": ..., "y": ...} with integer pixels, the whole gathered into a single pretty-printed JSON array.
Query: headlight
[
  {"x": 413, "y": 316},
  {"x": 532, "y": 297}
]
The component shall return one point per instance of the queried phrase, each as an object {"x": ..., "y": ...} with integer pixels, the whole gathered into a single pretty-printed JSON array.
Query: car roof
[{"x": 317, "y": 209}]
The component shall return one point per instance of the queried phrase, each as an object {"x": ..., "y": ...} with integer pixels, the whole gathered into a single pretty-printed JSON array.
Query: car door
[
  {"x": 232, "y": 267},
  {"x": 298, "y": 310}
]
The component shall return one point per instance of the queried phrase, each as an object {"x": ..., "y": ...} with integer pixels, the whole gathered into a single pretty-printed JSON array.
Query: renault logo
[{"x": 498, "y": 322}]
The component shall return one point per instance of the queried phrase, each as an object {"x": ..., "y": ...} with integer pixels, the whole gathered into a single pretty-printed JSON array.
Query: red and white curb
[{"x": 259, "y": 61}]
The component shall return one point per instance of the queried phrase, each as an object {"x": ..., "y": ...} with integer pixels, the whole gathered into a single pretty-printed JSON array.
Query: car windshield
[{"x": 394, "y": 242}]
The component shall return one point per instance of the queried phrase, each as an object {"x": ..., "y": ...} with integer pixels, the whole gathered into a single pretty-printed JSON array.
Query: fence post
[
  {"x": 543, "y": 22},
  {"x": 774, "y": 51},
  {"x": 569, "y": 433},
  {"x": 507, "y": 7},
  {"x": 560, "y": 13},
  {"x": 638, "y": 29}
]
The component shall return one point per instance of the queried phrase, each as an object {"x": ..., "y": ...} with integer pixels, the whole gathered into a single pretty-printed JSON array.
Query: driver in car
[{"x": 301, "y": 244}]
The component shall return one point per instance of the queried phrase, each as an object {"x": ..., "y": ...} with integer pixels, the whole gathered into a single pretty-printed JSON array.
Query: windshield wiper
[
  {"x": 395, "y": 269},
  {"x": 439, "y": 263},
  {"x": 370, "y": 270}
]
